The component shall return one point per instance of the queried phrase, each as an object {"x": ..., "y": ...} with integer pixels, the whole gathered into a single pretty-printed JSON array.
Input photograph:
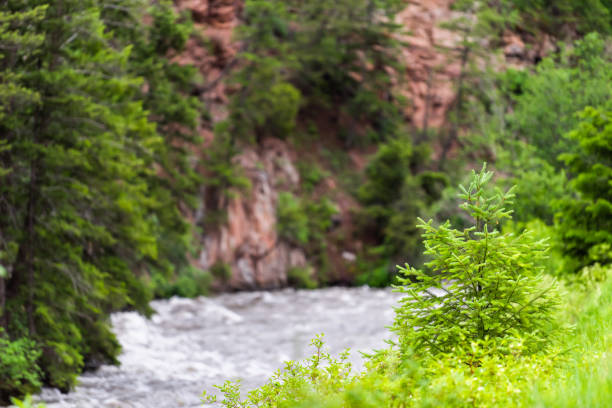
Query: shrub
[
  {"x": 374, "y": 274},
  {"x": 19, "y": 371},
  {"x": 481, "y": 284},
  {"x": 221, "y": 270},
  {"x": 189, "y": 282},
  {"x": 292, "y": 384},
  {"x": 585, "y": 218},
  {"x": 311, "y": 175},
  {"x": 26, "y": 403},
  {"x": 292, "y": 221},
  {"x": 301, "y": 278},
  {"x": 562, "y": 85},
  {"x": 478, "y": 376}
]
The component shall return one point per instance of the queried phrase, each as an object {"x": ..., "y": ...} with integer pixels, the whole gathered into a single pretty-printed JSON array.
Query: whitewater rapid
[{"x": 189, "y": 345}]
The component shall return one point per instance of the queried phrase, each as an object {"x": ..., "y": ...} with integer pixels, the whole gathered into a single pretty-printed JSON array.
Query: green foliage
[
  {"x": 310, "y": 175},
  {"x": 90, "y": 190},
  {"x": 544, "y": 106},
  {"x": 292, "y": 220},
  {"x": 271, "y": 108},
  {"x": 164, "y": 95},
  {"x": 394, "y": 194},
  {"x": 482, "y": 373},
  {"x": 19, "y": 372},
  {"x": 585, "y": 220},
  {"x": 224, "y": 177},
  {"x": 26, "y": 403},
  {"x": 481, "y": 284},
  {"x": 538, "y": 187},
  {"x": 375, "y": 274},
  {"x": 553, "y": 15},
  {"x": 297, "y": 58},
  {"x": 221, "y": 270},
  {"x": 292, "y": 385},
  {"x": 304, "y": 223},
  {"x": 586, "y": 378},
  {"x": 553, "y": 264},
  {"x": 189, "y": 282},
  {"x": 560, "y": 18},
  {"x": 301, "y": 277},
  {"x": 561, "y": 86}
]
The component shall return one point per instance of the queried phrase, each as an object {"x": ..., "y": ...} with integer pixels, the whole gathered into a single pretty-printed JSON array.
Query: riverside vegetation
[
  {"x": 484, "y": 327},
  {"x": 101, "y": 167}
]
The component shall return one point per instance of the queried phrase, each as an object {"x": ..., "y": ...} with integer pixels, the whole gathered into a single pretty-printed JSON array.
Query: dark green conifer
[
  {"x": 585, "y": 217},
  {"x": 82, "y": 206}
]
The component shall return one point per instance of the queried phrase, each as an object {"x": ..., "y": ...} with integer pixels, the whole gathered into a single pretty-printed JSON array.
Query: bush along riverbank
[{"x": 482, "y": 325}]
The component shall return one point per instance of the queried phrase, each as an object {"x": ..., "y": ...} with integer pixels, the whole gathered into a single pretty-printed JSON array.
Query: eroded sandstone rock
[{"x": 249, "y": 242}]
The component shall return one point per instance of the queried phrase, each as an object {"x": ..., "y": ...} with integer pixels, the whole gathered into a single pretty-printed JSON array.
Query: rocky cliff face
[
  {"x": 429, "y": 71},
  {"x": 249, "y": 242}
]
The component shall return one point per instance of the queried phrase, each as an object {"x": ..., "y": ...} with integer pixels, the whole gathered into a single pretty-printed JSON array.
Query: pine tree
[
  {"x": 76, "y": 216},
  {"x": 166, "y": 96},
  {"x": 584, "y": 220},
  {"x": 480, "y": 284},
  {"x": 16, "y": 42},
  {"x": 316, "y": 55}
]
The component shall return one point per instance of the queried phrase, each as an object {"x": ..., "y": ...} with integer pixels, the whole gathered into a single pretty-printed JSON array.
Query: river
[{"x": 189, "y": 345}]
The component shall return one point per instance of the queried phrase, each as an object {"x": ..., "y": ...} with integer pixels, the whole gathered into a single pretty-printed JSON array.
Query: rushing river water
[{"x": 192, "y": 344}]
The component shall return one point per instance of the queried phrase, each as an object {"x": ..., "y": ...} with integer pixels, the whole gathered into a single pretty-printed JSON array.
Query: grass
[{"x": 575, "y": 372}]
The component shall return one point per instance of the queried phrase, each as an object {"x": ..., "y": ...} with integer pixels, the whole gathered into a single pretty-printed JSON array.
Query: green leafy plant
[
  {"x": 553, "y": 15},
  {"x": 293, "y": 384},
  {"x": 300, "y": 57},
  {"x": 585, "y": 218},
  {"x": 221, "y": 270},
  {"x": 499, "y": 373},
  {"x": 311, "y": 175},
  {"x": 301, "y": 277},
  {"x": 563, "y": 84},
  {"x": 292, "y": 220},
  {"x": 481, "y": 284},
  {"x": 305, "y": 223},
  {"x": 19, "y": 371},
  {"x": 27, "y": 402},
  {"x": 188, "y": 282}
]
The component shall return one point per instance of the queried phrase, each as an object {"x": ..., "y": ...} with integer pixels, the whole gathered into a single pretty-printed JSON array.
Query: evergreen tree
[
  {"x": 562, "y": 85},
  {"x": 316, "y": 55},
  {"x": 166, "y": 96},
  {"x": 556, "y": 16},
  {"x": 585, "y": 218},
  {"x": 481, "y": 284},
  {"x": 16, "y": 42},
  {"x": 396, "y": 191},
  {"x": 77, "y": 215}
]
